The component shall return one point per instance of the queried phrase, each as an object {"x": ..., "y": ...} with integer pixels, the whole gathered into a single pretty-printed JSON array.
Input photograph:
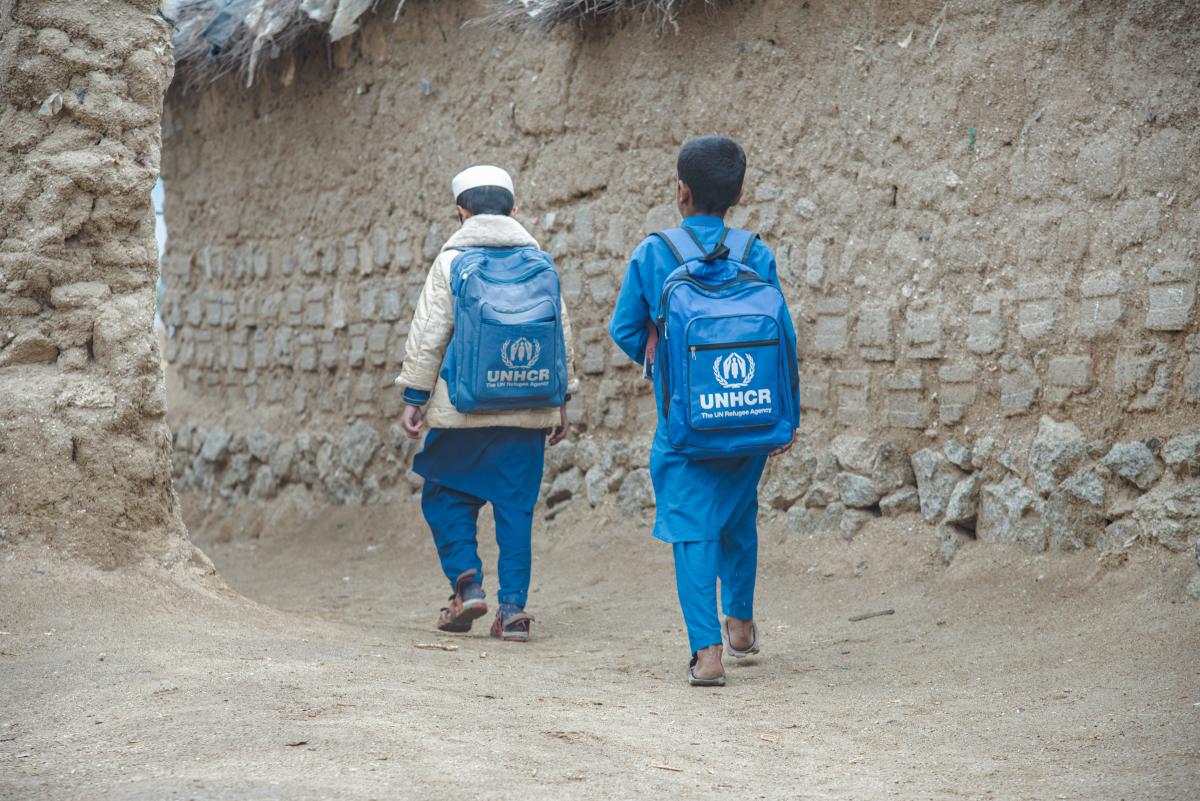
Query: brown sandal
[
  {"x": 466, "y": 604},
  {"x": 512, "y": 628}
]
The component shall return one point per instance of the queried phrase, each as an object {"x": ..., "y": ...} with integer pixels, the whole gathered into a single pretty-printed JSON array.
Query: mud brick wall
[
  {"x": 988, "y": 230},
  {"x": 84, "y": 447}
]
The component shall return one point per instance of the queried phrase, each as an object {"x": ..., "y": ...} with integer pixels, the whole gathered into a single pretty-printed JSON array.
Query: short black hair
[
  {"x": 714, "y": 168},
  {"x": 486, "y": 200}
]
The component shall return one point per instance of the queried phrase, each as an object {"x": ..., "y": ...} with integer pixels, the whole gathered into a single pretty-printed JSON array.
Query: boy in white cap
[{"x": 488, "y": 370}]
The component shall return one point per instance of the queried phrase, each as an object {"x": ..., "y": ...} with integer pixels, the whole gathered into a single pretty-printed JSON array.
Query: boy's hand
[
  {"x": 784, "y": 448},
  {"x": 651, "y": 343},
  {"x": 559, "y": 432},
  {"x": 411, "y": 421}
]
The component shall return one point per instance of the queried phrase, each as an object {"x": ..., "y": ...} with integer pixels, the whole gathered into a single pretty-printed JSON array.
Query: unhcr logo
[
  {"x": 733, "y": 372},
  {"x": 728, "y": 370},
  {"x": 520, "y": 353},
  {"x": 519, "y": 356}
]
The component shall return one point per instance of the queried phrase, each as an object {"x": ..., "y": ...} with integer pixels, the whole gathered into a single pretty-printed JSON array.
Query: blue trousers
[
  {"x": 453, "y": 515},
  {"x": 698, "y": 565}
]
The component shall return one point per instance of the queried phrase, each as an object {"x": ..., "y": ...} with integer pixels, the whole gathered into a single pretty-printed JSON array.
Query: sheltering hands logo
[
  {"x": 729, "y": 369},
  {"x": 520, "y": 353}
]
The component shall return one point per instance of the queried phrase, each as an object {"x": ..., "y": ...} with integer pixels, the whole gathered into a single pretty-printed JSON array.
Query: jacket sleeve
[
  {"x": 632, "y": 313},
  {"x": 430, "y": 332},
  {"x": 572, "y": 376}
]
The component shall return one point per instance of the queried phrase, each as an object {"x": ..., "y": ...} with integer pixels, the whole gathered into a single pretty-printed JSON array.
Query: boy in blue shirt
[{"x": 706, "y": 508}]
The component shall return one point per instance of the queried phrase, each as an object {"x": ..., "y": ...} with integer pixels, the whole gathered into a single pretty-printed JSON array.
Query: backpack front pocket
[
  {"x": 515, "y": 357},
  {"x": 733, "y": 372}
]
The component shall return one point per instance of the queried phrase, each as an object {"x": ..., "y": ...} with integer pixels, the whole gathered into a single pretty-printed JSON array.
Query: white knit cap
[{"x": 481, "y": 175}]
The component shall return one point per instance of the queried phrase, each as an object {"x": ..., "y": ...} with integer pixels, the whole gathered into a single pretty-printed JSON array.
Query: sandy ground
[{"x": 1004, "y": 676}]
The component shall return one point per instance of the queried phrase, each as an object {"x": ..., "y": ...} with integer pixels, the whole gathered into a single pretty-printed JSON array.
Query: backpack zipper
[{"x": 757, "y": 343}]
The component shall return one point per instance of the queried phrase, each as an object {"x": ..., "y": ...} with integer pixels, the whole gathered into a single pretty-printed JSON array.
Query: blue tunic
[
  {"x": 501, "y": 465},
  {"x": 696, "y": 500}
]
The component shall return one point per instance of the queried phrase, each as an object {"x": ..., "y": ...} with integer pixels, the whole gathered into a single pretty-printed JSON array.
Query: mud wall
[
  {"x": 986, "y": 216},
  {"x": 84, "y": 446}
]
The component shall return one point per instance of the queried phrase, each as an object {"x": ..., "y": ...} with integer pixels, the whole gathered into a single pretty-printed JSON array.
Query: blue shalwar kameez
[
  {"x": 707, "y": 509},
  {"x": 467, "y": 468}
]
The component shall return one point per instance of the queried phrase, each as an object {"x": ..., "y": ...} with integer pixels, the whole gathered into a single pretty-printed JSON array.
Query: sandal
[
  {"x": 734, "y": 652},
  {"x": 696, "y": 681},
  {"x": 466, "y": 604},
  {"x": 512, "y": 627}
]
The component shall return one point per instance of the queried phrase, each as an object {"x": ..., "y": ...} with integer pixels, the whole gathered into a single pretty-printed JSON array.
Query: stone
[
  {"x": 1172, "y": 294},
  {"x": 832, "y": 330},
  {"x": 957, "y": 391},
  {"x": 854, "y": 453},
  {"x": 958, "y": 453},
  {"x": 343, "y": 487},
  {"x": 1037, "y": 308},
  {"x": 264, "y": 486},
  {"x": 814, "y": 389},
  {"x": 595, "y": 484},
  {"x": 29, "y": 347},
  {"x": 900, "y": 502},
  {"x": 1010, "y": 513},
  {"x": 1019, "y": 385},
  {"x": 1100, "y": 305},
  {"x": 1054, "y": 453},
  {"x": 814, "y": 263},
  {"x": 856, "y": 491},
  {"x": 1170, "y": 513},
  {"x": 566, "y": 485},
  {"x": 853, "y": 393},
  {"x": 985, "y": 325},
  {"x": 282, "y": 460},
  {"x": 810, "y": 522},
  {"x": 1118, "y": 536},
  {"x": 1071, "y": 524},
  {"x": 907, "y": 403},
  {"x": 936, "y": 479},
  {"x": 1192, "y": 587},
  {"x": 963, "y": 504},
  {"x": 949, "y": 540},
  {"x": 1085, "y": 486},
  {"x": 637, "y": 492},
  {"x": 923, "y": 335},
  {"x": 260, "y": 444},
  {"x": 357, "y": 447},
  {"x": 788, "y": 477},
  {"x": 1182, "y": 454},
  {"x": 1134, "y": 462},
  {"x": 892, "y": 467},
  {"x": 1067, "y": 376},
  {"x": 216, "y": 445},
  {"x": 876, "y": 334},
  {"x": 560, "y": 457},
  {"x": 238, "y": 471},
  {"x": 852, "y": 520},
  {"x": 1142, "y": 376},
  {"x": 1098, "y": 165},
  {"x": 84, "y": 294}
]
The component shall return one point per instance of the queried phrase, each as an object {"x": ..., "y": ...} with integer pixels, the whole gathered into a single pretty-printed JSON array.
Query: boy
[
  {"x": 475, "y": 454},
  {"x": 707, "y": 506}
]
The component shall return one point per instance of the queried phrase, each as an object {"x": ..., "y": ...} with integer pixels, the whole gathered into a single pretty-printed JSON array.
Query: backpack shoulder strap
[
  {"x": 740, "y": 243},
  {"x": 683, "y": 244}
]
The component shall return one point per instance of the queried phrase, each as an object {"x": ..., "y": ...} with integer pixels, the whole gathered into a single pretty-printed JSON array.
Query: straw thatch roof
[{"x": 217, "y": 37}]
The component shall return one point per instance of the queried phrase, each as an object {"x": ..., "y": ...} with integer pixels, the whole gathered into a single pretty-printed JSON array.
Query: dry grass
[
  {"x": 217, "y": 37},
  {"x": 545, "y": 14}
]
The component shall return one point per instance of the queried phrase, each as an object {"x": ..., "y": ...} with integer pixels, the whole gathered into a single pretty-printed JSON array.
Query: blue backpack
[
  {"x": 507, "y": 351},
  {"x": 726, "y": 355}
]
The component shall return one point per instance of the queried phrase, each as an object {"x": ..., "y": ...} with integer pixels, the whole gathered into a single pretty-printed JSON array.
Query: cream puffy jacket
[{"x": 433, "y": 325}]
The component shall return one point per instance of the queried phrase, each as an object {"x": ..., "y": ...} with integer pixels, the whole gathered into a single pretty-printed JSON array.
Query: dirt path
[{"x": 1005, "y": 676}]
